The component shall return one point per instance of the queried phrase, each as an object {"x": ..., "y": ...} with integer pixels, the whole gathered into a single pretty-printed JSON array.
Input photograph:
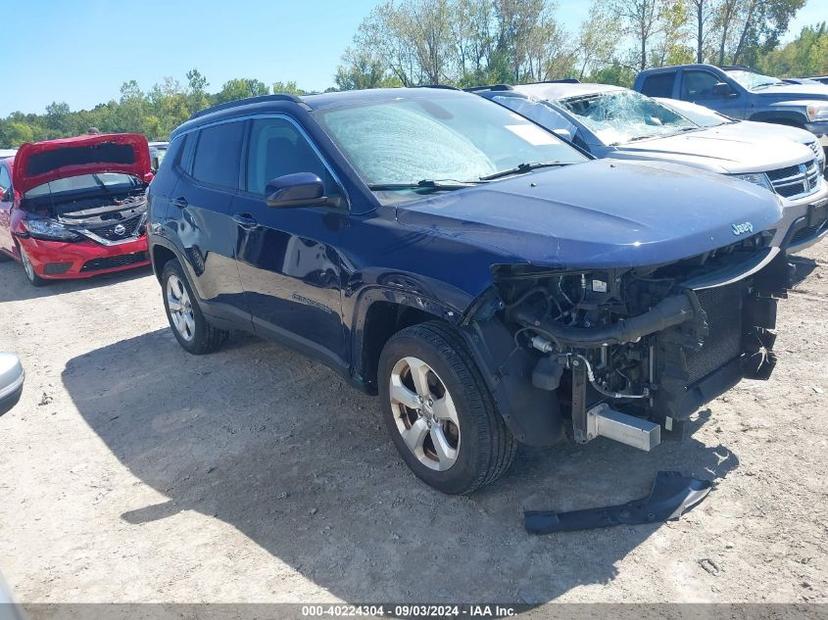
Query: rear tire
[
  {"x": 189, "y": 325},
  {"x": 449, "y": 433}
]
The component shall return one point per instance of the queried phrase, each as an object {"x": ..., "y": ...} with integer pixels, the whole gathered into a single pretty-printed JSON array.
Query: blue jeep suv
[{"x": 492, "y": 283}]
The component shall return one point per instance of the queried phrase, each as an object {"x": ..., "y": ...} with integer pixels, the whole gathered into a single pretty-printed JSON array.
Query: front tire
[
  {"x": 439, "y": 412},
  {"x": 189, "y": 325},
  {"x": 28, "y": 269}
]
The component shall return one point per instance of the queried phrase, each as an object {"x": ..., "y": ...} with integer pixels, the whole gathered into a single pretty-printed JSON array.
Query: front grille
[
  {"x": 796, "y": 181},
  {"x": 723, "y": 342},
  {"x": 112, "y": 262},
  {"x": 121, "y": 229}
]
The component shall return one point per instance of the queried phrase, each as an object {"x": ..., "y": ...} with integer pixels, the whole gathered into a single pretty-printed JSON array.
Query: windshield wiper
[
  {"x": 767, "y": 84},
  {"x": 521, "y": 168},
  {"x": 424, "y": 185},
  {"x": 101, "y": 184}
]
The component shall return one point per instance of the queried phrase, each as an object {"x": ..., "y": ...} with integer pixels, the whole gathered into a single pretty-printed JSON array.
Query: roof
[
  {"x": 561, "y": 90},
  {"x": 674, "y": 67},
  {"x": 378, "y": 95},
  {"x": 280, "y": 102}
]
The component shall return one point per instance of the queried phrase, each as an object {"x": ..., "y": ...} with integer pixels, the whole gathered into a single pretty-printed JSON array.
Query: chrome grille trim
[{"x": 796, "y": 181}]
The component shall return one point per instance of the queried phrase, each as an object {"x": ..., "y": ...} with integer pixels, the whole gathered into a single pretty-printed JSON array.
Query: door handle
[
  {"x": 180, "y": 202},
  {"x": 245, "y": 220}
]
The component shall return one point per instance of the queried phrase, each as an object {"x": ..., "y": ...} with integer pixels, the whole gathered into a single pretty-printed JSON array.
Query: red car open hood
[{"x": 40, "y": 162}]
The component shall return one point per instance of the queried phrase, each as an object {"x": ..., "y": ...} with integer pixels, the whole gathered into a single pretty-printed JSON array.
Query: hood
[
  {"x": 790, "y": 91},
  {"x": 758, "y": 130},
  {"x": 720, "y": 150},
  {"x": 599, "y": 214},
  {"x": 40, "y": 162}
]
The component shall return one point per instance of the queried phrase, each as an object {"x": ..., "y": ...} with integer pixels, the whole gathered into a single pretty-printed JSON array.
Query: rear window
[
  {"x": 218, "y": 153},
  {"x": 106, "y": 152},
  {"x": 659, "y": 85}
]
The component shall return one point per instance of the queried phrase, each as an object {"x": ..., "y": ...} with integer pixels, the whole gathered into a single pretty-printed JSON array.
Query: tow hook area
[
  {"x": 604, "y": 421},
  {"x": 672, "y": 495}
]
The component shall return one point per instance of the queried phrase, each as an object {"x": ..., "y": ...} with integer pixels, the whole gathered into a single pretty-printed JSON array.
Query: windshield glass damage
[
  {"x": 622, "y": 116},
  {"x": 442, "y": 143}
]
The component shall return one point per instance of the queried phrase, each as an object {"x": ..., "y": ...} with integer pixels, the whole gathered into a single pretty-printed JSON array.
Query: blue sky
[{"x": 81, "y": 52}]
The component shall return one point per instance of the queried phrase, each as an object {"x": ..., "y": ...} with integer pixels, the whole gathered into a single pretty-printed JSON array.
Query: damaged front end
[{"x": 625, "y": 352}]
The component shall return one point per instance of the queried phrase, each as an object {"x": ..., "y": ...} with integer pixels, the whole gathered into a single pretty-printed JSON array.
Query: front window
[
  {"x": 445, "y": 138},
  {"x": 751, "y": 80},
  {"x": 617, "y": 117},
  {"x": 109, "y": 181}
]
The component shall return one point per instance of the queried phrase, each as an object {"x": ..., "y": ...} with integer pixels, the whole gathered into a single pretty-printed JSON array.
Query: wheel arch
[
  {"x": 380, "y": 313},
  {"x": 160, "y": 255},
  {"x": 533, "y": 415}
]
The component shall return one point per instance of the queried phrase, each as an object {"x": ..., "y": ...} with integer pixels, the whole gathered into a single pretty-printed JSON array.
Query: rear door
[
  {"x": 6, "y": 203},
  {"x": 204, "y": 228},
  {"x": 289, "y": 268}
]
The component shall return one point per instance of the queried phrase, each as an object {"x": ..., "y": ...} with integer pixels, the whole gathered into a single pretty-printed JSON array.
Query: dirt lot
[{"x": 131, "y": 471}]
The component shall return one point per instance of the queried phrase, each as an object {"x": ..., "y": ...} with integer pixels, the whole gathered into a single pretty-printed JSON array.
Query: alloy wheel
[
  {"x": 180, "y": 308},
  {"x": 27, "y": 265},
  {"x": 425, "y": 414}
]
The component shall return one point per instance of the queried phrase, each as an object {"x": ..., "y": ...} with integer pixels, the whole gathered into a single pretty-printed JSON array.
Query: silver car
[
  {"x": 11, "y": 381},
  {"x": 619, "y": 123}
]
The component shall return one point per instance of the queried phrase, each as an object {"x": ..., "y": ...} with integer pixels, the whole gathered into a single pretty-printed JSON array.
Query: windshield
[
  {"x": 622, "y": 116},
  {"x": 751, "y": 80},
  {"x": 448, "y": 138},
  {"x": 85, "y": 182}
]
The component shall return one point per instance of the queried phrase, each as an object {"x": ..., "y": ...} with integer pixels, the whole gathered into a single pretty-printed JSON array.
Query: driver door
[{"x": 290, "y": 270}]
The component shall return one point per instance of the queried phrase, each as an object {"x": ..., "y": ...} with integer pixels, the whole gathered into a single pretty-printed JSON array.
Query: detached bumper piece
[{"x": 672, "y": 495}]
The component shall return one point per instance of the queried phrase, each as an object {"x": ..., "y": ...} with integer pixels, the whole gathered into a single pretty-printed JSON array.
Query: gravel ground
[{"x": 133, "y": 472}]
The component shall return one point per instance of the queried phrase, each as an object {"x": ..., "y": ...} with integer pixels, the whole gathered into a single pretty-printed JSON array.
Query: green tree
[{"x": 241, "y": 88}]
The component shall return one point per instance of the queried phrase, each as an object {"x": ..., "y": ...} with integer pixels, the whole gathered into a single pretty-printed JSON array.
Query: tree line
[{"x": 469, "y": 42}]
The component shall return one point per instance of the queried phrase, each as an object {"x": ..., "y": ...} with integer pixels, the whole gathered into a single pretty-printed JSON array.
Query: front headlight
[
  {"x": 818, "y": 112},
  {"x": 757, "y": 178},
  {"x": 50, "y": 230}
]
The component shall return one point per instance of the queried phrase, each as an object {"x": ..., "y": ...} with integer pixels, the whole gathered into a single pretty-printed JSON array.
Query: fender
[{"x": 532, "y": 415}]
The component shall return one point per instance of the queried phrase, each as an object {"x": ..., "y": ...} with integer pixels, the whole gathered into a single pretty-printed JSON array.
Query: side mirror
[
  {"x": 11, "y": 381},
  {"x": 723, "y": 89},
  {"x": 564, "y": 134},
  {"x": 301, "y": 189}
]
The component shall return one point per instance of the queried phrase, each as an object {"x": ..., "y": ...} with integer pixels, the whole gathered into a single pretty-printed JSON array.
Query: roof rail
[
  {"x": 738, "y": 68},
  {"x": 570, "y": 80},
  {"x": 474, "y": 89},
  {"x": 239, "y": 102},
  {"x": 442, "y": 86}
]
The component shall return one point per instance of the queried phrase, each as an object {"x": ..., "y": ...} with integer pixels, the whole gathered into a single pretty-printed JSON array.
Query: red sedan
[{"x": 76, "y": 207}]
